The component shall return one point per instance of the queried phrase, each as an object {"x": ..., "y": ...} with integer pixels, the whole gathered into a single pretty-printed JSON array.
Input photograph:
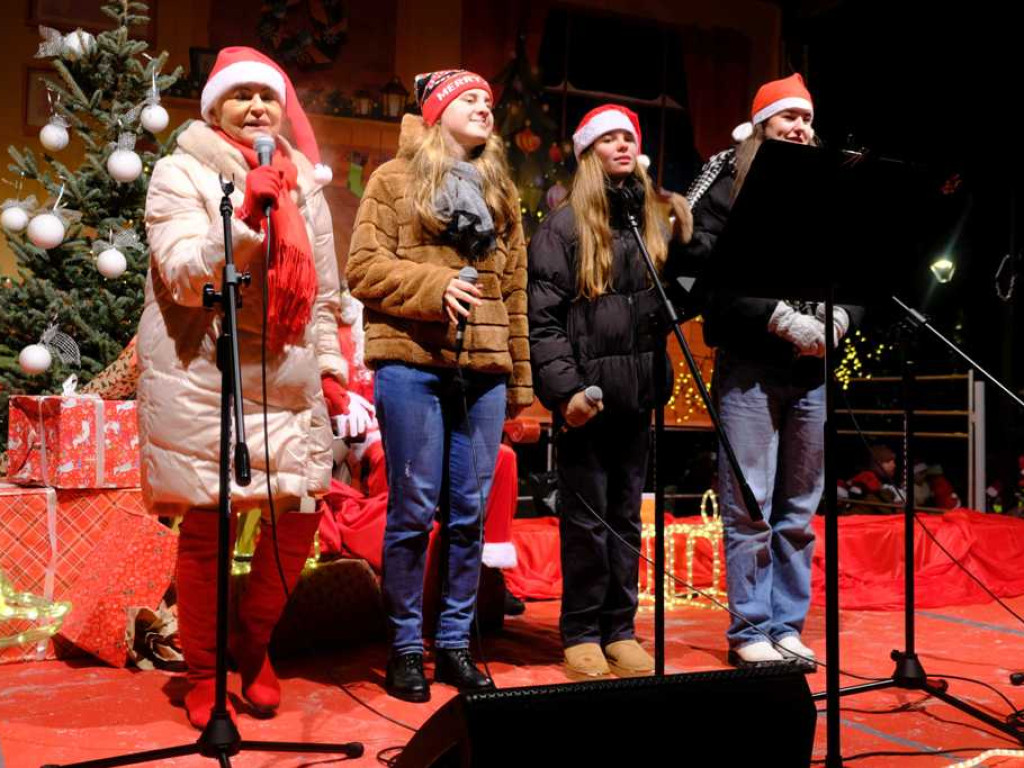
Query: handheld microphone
[
  {"x": 594, "y": 396},
  {"x": 469, "y": 275},
  {"x": 264, "y": 145}
]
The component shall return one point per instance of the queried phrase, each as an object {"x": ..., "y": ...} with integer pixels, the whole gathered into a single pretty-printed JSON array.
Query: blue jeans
[
  {"x": 438, "y": 461},
  {"x": 776, "y": 428}
]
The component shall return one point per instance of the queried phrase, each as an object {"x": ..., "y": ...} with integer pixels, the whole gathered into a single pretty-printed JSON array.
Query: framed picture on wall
[
  {"x": 36, "y": 111},
  {"x": 67, "y": 15}
]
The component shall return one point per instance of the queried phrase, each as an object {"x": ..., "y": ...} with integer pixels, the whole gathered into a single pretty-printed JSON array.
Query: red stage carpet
[
  {"x": 56, "y": 712},
  {"x": 63, "y": 711}
]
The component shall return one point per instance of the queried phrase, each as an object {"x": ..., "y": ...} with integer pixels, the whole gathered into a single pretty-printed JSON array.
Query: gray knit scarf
[{"x": 460, "y": 202}]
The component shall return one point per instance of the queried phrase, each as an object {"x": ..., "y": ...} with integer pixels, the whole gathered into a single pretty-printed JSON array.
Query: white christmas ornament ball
[
  {"x": 46, "y": 231},
  {"x": 54, "y": 137},
  {"x": 35, "y": 358},
  {"x": 124, "y": 165},
  {"x": 14, "y": 219},
  {"x": 111, "y": 263},
  {"x": 154, "y": 118},
  {"x": 78, "y": 43}
]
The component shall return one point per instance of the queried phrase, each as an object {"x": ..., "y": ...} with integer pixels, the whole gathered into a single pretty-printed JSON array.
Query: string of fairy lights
[{"x": 859, "y": 355}]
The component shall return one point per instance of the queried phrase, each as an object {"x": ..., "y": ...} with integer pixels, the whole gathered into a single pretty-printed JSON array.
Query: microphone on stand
[
  {"x": 469, "y": 275},
  {"x": 264, "y": 145}
]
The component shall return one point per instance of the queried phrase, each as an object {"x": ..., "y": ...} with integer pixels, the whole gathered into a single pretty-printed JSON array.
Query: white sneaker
[
  {"x": 791, "y": 646},
  {"x": 795, "y": 651},
  {"x": 755, "y": 654}
]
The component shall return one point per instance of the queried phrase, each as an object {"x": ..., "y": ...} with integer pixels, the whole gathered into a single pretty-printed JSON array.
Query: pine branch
[{"x": 65, "y": 74}]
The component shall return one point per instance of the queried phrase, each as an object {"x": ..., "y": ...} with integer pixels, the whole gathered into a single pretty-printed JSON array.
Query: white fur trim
[
  {"x": 240, "y": 73},
  {"x": 610, "y": 120},
  {"x": 322, "y": 174},
  {"x": 358, "y": 450},
  {"x": 351, "y": 308},
  {"x": 500, "y": 555},
  {"x": 742, "y": 132},
  {"x": 790, "y": 102},
  {"x": 643, "y": 161}
]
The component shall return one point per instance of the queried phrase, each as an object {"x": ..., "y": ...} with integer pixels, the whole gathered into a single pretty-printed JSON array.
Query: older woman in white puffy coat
[{"x": 179, "y": 386}]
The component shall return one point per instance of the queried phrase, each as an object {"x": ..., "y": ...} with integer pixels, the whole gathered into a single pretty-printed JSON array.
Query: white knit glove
[
  {"x": 840, "y": 320},
  {"x": 804, "y": 332},
  {"x": 360, "y": 417}
]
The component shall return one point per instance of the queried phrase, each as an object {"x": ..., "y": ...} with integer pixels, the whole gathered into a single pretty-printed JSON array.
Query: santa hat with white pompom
[
  {"x": 239, "y": 65},
  {"x": 604, "y": 119},
  {"x": 772, "y": 98}
]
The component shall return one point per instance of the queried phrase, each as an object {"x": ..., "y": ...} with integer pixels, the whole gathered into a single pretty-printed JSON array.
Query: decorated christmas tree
[
  {"x": 81, "y": 251},
  {"x": 537, "y": 152}
]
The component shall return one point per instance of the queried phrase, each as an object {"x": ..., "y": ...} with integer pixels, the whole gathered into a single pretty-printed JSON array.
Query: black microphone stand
[
  {"x": 220, "y": 739},
  {"x": 630, "y": 205},
  {"x": 909, "y": 672}
]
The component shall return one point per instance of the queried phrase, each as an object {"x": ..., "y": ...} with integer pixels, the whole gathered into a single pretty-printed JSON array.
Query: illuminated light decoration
[
  {"x": 24, "y": 606},
  {"x": 688, "y": 534}
]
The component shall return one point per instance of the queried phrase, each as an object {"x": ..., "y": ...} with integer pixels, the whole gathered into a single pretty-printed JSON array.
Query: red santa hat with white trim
[
  {"x": 602, "y": 120},
  {"x": 774, "y": 97},
  {"x": 240, "y": 65}
]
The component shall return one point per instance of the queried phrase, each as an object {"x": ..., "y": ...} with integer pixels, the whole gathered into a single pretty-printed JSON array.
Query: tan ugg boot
[
  {"x": 585, "y": 661},
  {"x": 627, "y": 659}
]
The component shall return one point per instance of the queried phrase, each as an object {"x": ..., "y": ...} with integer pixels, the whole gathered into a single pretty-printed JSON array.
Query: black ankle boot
[
  {"x": 405, "y": 679},
  {"x": 513, "y": 605},
  {"x": 456, "y": 667}
]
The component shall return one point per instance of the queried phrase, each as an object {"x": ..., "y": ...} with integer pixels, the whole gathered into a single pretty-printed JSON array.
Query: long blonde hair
[
  {"x": 589, "y": 201},
  {"x": 432, "y": 159}
]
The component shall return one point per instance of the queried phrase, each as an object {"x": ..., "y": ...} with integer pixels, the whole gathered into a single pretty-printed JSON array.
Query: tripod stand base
[
  {"x": 219, "y": 741},
  {"x": 351, "y": 749},
  {"x": 909, "y": 672},
  {"x": 910, "y": 675}
]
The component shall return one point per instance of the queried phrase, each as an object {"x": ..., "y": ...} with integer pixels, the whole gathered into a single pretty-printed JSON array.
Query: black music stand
[{"x": 823, "y": 225}]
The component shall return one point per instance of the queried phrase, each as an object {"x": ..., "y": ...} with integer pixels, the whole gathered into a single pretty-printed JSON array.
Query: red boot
[
  {"x": 263, "y": 602},
  {"x": 197, "y": 610}
]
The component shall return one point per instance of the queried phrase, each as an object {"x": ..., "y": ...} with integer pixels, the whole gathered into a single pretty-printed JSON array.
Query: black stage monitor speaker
[{"x": 722, "y": 718}]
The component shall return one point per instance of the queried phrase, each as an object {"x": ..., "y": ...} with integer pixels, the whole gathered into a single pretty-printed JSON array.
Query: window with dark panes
[{"x": 589, "y": 58}]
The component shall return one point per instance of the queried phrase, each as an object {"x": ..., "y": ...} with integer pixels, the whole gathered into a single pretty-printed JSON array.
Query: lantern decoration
[
  {"x": 527, "y": 140},
  {"x": 395, "y": 96},
  {"x": 363, "y": 103}
]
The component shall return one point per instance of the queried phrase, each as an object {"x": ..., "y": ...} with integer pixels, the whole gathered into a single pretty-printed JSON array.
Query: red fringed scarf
[{"x": 291, "y": 274}]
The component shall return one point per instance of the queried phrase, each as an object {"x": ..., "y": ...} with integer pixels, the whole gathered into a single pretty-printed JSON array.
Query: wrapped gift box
[
  {"x": 130, "y": 568},
  {"x": 47, "y": 540},
  {"x": 73, "y": 442}
]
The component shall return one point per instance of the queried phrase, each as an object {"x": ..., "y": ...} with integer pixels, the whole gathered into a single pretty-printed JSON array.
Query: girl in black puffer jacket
[{"x": 595, "y": 319}]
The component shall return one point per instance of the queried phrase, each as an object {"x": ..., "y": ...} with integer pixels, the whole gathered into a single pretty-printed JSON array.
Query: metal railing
[{"x": 965, "y": 424}]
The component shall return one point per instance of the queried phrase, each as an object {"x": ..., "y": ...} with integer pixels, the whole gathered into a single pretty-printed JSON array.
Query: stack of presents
[
  {"x": 85, "y": 570},
  {"x": 73, "y": 531}
]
